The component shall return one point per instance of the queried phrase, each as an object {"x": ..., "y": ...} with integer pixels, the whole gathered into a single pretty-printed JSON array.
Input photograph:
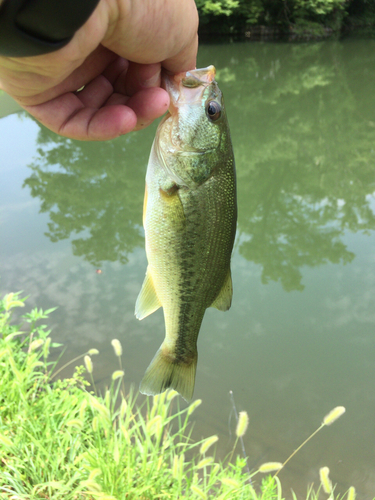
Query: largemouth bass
[{"x": 189, "y": 217}]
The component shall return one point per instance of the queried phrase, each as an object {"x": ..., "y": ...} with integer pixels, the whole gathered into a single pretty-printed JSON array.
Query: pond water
[{"x": 300, "y": 336}]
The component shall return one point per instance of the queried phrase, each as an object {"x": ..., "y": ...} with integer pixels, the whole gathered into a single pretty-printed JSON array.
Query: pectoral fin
[
  {"x": 224, "y": 299},
  {"x": 147, "y": 301}
]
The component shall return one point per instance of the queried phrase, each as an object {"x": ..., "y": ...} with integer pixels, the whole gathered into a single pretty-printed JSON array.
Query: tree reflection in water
[
  {"x": 304, "y": 137},
  {"x": 94, "y": 190}
]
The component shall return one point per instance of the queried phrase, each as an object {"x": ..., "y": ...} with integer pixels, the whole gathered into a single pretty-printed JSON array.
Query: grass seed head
[
  {"x": 270, "y": 467},
  {"x": 232, "y": 483},
  {"x": 92, "y": 486},
  {"x": 204, "y": 462},
  {"x": 123, "y": 407},
  {"x": 88, "y": 363},
  {"x": 35, "y": 344},
  {"x": 242, "y": 424},
  {"x": 325, "y": 480},
  {"x": 117, "y": 374},
  {"x": 193, "y": 406},
  {"x": 207, "y": 443},
  {"x": 75, "y": 422},
  {"x": 117, "y": 347},
  {"x": 93, "y": 352},
  {"x": 11, "y": 300},
  {"x": 171, "y": 394},
  {"x": 351, "y": 493},
  {"x": 333, "y": 415},
  {"x": 198, "y": 491},
  {"x": 46, "y": 347}
]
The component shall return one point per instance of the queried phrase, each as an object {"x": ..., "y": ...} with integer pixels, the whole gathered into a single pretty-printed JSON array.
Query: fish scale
[{"x": 190, "y": 220}]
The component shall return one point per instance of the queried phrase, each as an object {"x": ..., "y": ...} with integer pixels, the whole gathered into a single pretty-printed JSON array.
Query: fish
[{"x": 189, "y": 218}]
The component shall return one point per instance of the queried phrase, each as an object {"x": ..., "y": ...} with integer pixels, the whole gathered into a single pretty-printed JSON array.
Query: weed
[{"x": 59, "y": 440}]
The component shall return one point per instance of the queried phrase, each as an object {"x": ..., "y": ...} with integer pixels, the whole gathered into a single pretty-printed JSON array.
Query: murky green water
[{"x": 300, "y": 336}]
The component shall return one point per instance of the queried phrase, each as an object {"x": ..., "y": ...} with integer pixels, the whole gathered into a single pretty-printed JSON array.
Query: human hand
[{"x": 117, "y": 55}]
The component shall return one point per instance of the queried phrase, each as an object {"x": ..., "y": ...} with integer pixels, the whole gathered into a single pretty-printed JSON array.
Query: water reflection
[
  {"x": 303, "y": 135},
  {"x": 93, "y": 190},
  {"x": 304, "y": 145}
]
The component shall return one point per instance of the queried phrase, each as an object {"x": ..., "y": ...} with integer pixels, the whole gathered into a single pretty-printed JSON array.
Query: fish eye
[{"x": 213, "y": 110}]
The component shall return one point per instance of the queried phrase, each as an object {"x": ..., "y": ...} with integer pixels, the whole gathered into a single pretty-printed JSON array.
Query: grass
[{"x": 61, "y": 440}]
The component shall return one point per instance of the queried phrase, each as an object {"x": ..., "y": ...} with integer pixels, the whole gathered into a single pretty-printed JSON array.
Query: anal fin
[
  {"x": 147, "y": 301},
  {"x": 224, "y": 299}
]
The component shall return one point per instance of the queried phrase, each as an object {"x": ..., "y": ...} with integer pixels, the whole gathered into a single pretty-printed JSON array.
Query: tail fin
[{"x": 164, "y": 373}]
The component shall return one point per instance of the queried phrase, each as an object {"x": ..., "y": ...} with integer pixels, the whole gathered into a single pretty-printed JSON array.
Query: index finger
[
  {"x": 156, "y": 32},
  {"x": 184, "y": 60}
]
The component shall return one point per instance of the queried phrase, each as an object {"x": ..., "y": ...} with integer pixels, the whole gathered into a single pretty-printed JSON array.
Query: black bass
[{"x": 189, "y": 217}]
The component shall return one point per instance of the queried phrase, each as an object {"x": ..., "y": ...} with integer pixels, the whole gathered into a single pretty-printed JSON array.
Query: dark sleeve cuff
[{"x": 34, "y": 27}]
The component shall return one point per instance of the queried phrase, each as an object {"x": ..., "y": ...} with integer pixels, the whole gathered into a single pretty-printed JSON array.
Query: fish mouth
[
  {"x": 197, "y": 77},
  {"x": 187, "y": 87}
]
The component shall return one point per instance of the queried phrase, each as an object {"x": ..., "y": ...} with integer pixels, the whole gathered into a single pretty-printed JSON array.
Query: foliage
[
  {"x": 90, "y": 188},
  {"x": 361, "y": 13},
  {"x": 60, "y": 441},
  {"x": 219, "y": 7},
  {"x": 317, "y": 7},
  {"x": 285, "y": 13}
]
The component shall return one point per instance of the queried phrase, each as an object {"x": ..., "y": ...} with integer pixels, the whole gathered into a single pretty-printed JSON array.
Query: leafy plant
[
  {"x": 59, "y": 440},
  {"x": 285, "y": 14}
]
